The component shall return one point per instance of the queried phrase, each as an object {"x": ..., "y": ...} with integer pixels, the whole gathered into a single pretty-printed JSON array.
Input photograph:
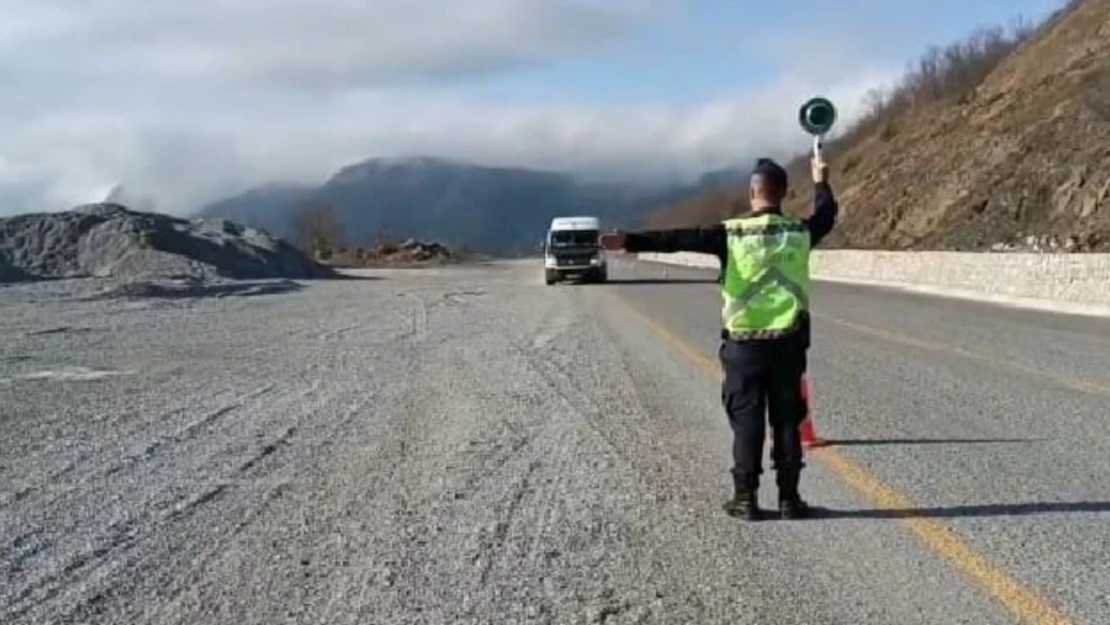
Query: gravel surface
[{"x": 467, "y": 445}]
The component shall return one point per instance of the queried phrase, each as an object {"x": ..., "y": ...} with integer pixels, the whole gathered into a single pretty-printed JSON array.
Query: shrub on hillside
[{"x": 941, "y": 76}]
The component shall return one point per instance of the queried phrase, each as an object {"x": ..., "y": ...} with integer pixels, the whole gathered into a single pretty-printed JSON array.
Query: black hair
[{"x": 773, "y": 173}]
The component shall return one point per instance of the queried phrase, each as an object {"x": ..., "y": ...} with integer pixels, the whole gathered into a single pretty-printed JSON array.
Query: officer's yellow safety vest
[{"x": 766, "y": 279}]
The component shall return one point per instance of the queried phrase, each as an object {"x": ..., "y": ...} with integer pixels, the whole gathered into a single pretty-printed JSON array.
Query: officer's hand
[
  {"x": 613, "y": 241},
  {"x": 820, "y": 169}
]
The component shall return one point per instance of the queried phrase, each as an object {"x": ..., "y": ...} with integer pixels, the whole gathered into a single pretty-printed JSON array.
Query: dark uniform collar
[{"x": 767, "y": 210}]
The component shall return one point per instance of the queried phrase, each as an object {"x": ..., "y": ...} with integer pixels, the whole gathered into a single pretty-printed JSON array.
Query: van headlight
[
  {"x": 549, "y": 261},
  {"x": 595, "y": 260}
]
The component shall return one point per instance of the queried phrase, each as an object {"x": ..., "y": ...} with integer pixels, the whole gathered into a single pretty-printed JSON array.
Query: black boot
[
  {"x": 791, "y": 504},
  {"x": 745, "y": 502}
]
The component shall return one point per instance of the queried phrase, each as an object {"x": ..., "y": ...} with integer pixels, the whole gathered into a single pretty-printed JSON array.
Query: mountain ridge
[{"x": 485, "y": 208}]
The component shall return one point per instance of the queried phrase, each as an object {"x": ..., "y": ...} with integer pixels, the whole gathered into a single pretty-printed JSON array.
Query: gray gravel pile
[{"x": 111, "y": 241}]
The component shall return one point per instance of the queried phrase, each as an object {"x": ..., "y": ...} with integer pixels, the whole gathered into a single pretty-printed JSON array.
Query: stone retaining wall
[{"x": 1069, "y": 278}]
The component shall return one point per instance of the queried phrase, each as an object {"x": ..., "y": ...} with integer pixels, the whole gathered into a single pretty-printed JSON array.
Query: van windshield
[{"x": 574, "y": 238}]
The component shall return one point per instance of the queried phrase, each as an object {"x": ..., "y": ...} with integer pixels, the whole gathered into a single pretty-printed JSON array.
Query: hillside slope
[{"x": 1018, "y": 157}]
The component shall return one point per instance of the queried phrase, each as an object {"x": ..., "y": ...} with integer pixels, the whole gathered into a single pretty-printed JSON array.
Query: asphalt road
[
  {"x": 985, "y": 422},
  {"x": 468, "y": 445}
]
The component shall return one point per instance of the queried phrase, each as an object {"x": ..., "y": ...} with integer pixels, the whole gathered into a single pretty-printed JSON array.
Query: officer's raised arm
[{"x": 825, "y": 207}]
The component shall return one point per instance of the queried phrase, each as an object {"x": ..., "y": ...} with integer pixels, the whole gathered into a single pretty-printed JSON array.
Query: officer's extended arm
[
  {"x": 825, "y": 209},
  {"x": 704, "y": 240}
]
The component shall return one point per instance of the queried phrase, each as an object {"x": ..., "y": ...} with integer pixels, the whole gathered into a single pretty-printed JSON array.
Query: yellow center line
[
  {"x": 1021, "y": 601},
  {"x": 1082, "y": 386}
]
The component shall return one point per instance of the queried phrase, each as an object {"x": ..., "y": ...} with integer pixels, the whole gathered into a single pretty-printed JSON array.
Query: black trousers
[{"x": 762, "y": 383}]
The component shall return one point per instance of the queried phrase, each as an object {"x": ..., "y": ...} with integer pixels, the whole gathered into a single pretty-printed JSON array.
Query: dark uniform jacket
[{"x": 714, "y": 240}]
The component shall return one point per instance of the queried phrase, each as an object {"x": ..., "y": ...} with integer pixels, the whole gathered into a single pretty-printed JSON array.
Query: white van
[{"x": 573, "y": 249}]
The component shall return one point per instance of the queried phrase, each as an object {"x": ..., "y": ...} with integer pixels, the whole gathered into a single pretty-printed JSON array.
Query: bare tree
[{"x": 317, "y": 228}]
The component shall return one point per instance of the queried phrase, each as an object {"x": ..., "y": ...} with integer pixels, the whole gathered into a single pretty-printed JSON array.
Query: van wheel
[
  {"x": 596, "y": 276},
  {"x": 550, "y": 277}
]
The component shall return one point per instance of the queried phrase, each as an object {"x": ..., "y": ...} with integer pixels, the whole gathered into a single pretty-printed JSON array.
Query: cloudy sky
[{"x": 185, "y": 102}]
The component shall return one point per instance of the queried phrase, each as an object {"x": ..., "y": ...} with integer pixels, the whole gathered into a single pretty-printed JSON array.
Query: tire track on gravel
[
  {"x": 149, "y": 449},
  {"x": 492, "y": 444},
  {"x": 476, "y": 519},
  {"x": 557, "y": 373},
  {"x": 552, "y": 596},
  {"x": 121, "y": 534},
  {"x": 276, "y": 481},
  {"x": 121, "y": 555},
  {"x": 387, "y": 452}
]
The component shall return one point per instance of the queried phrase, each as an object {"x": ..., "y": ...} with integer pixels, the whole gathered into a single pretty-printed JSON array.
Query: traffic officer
[{"x": 765, "y": 280}]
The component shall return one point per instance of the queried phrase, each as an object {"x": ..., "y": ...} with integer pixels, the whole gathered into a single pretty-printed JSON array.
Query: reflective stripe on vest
[{"x": 766, "y": 280}]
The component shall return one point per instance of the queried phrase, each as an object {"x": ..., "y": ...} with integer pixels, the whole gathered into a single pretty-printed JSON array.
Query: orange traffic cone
[{"x": 809, "y": 433}]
